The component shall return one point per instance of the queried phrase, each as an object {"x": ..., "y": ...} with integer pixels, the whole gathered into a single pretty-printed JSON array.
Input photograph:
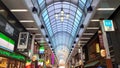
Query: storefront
[
  {"x": 11, "y": 60},
  {"x": 94, "y": 48}
]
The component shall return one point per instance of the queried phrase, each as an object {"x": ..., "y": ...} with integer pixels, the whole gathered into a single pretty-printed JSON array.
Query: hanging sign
[
  {"x": 97, "y": 48},
  {"x": 108, "y": 25},
  {"x": 23, "y": 41}
]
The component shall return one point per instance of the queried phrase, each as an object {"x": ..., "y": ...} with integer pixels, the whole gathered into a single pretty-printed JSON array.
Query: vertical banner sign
[
  {"x": 52, "y": 59},
  {"x": 101, "y": 39},
  {"x": 23, "y": 41},
  {"x": 97, "y": 48},
  {"x": 108, "y": 25}
]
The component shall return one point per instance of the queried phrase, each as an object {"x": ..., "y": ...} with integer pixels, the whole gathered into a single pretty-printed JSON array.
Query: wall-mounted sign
[
  {"x": 108, "y": 25},
  {"x": 6, "y": 43},
  {"x": 12, "y": 55},
  {"x": 23, "y": 41}
]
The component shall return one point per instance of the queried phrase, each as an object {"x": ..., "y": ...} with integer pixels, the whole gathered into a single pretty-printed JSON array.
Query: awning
[{"x": 91, "y": 64}]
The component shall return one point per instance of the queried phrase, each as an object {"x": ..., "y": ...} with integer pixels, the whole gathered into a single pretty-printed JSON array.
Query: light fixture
[
  {"x": 19, "y": 10},
  {"x": 62, "y": 15},
  {"x": 95, "y": 20},
  {"x": 92, "y": 28},
  {"x": 38, "y": 34},
  {"x": 88, "y": 33},
  {"x": 2, "y": 10},
  {"x": 26, "y": 21},
  {"x": 105, "y": 9},
  {"x": 32, "y": 28},
  {"x": 83, "y": 41},
  {"x": 84, "y": 38}
]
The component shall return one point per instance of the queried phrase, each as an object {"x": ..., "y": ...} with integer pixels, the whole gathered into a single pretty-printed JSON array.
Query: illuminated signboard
[
  {"x": 6, "y": 43},
  {"x": 97, "y": 48},
  {"x": 41, "y": 50},
  {"x": 12, "y": 55},
  {"x": 52, "y": 59},
  {"x": 108, "y": 25}
]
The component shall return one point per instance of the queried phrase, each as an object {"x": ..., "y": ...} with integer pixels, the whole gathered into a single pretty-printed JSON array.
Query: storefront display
[
  {"x": 3, "y": 62},
  {"x": 10, "y": 63}
]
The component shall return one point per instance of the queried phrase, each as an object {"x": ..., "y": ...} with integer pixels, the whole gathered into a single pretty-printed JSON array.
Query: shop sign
[
  {"x": 6, "y": 43},
  {"x": 108, "y": 25},
  {"x": 12, "y": 55},
  {"x": 97, "y": 48},
  {"x": 52, "y": 59},
  {"x": 101, "y": 39},
  {"x": 23, "y": 41},
  {"x": 41, "y": 50}
]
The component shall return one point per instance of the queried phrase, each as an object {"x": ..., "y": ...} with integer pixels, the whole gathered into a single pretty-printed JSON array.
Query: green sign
[
  {"x": 12, "y": 55},
  {"x": 6, "y": 38}
]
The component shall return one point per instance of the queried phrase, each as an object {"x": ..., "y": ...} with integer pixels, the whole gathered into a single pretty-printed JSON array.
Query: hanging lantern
[{"x": 103, "y": 53}]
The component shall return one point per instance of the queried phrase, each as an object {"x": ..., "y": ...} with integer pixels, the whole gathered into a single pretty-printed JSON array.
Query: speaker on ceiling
[
  {"x": 77, "y": 36},
  {"x": 46, "y": 36},
  {"x": 89, "y": 9},
  {"x": 49, "y": 42},
  {"x": 81, "y": 26},
  {"x": 34, "y": 10},
  {"x": 42, "y": 27},
  {"x": 51, "y": 46},
  {"x": 72, "y": 46},
  {"x": 74, "y": 42}
]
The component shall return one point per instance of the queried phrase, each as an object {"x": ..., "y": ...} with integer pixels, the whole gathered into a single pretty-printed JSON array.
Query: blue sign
[{"x": 108, "y": 25}]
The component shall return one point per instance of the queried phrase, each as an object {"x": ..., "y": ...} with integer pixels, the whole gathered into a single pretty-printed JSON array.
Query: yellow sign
[
  {"x": 47, "y": 62},
  {"x": 97, "y": 48}
]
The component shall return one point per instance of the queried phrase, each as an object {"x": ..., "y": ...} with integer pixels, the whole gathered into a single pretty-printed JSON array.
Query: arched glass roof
[{"x": 63, "y": 33}]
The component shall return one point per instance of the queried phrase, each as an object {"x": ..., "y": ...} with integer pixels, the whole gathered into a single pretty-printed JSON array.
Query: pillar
[
  {"x": 32, "y": 46},
  {"x": 108, "y": 58}
]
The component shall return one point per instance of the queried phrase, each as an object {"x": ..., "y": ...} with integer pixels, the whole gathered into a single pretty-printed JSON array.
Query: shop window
[{"x": 3, "y": 62}]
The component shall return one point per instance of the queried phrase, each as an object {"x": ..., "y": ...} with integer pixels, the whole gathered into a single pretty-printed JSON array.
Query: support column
[
  {"x": 32, "y": 46},
  {"x": 106, "y": 46},
  {"x": 81, "y": 55}
]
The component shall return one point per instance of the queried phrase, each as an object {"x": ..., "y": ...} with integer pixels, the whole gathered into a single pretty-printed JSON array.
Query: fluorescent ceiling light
[
  {"x": 18, "y": 10},
  {"x": 84, "y": 38},
  {"x": 88, "y": 33},
  {"x": 95, "y": 20},
  {"x": 37, "y": 38},
  {"x": 92, "y": 28},
  {"x": 26, "y": 21},
  {"x": 32, "y": 28},
  {"x": 105, "y": 9},
  {"x": 12, "y": 21},
  {"x": 83, "y": 41},
  {"x": 37, "y": 34},
  {"x": 2, "y": 10}
]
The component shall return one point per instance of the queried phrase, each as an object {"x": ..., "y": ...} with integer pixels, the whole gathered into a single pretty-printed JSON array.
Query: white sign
[
  {"x": 108, "y": 25},
  {"x": 23, "y": 40}
]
